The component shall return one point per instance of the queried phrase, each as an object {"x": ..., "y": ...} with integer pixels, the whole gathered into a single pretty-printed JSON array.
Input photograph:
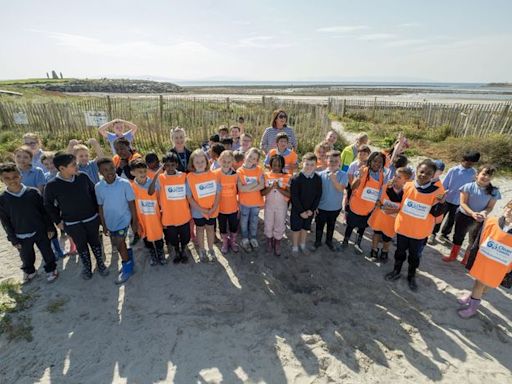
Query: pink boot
[
  {"x": 464, "y": 300},
  {"x": 470, "y": 310},
  {"x": 232, "y": 243},
  {"x": 225, "y": 243}
]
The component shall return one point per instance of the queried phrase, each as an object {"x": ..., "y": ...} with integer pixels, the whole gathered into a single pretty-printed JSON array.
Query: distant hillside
[{"x": 95, "y": 85}]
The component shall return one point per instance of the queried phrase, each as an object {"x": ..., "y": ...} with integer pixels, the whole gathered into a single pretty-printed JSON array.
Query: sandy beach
[{"x": 323, "y": 317}]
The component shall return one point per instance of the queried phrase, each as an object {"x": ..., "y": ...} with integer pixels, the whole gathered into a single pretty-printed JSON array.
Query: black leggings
[
  {"x": 450, "y": 210},
  {"x": 85, "y": 233},
  {"x": 28, "y": 256},
  {"x": 158, "y": 244},
  {"x": 463, "y": 225},
  {"x": 323, "y": 218},
  {"x": 177, "y": 235},
  {"x": 229, "y": 220},
  {"x": 355, "y": 221},
  {"x": 413, "y": 247}
]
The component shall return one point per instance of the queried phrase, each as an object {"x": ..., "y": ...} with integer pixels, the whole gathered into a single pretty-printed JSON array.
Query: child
[
  {"x": 250, "y": 183},
  {"x": 382, "y": 219},
  {"x": 305, "y": 193},
  {"x": 179, "y": 139},
  {"x": 238, "y": 159},
  {"x": 47, "y": 160},
  {"x": 228, "y": 204},
  {"x": 215, "y": 152},
  {"x": 490, "y": 262},
  {"x": 227, "y": 142},
  {"x": 71, "y": 202},
  {"x": 241, "y": 124},
  {"x": 282, "y": 148},
  {"x": 26, "y": 223},
  {"x": 30, "y": 176},
  {"x": 85, "y": 165},
  {"x": 172, "y": 188},
  {"x": 361, "y": 160},
  {"x": 415, "y": 220},
  {"x": 148, "y": 212},
  {"x": 455, "y": 178},
  {"x": 330, "y": 139},
  {"x": 118, "y": 127},
  {"x": 235, "y": 135},
  {"x": 246, "y": 143},
  {"x": 277, "y": 196},
  {"x": 116, "y": 204},
  {"x": 334, "y": 182},
  {"x": 320, "y": 153},
  {"x": 153, "y": 164},
  {"x": 350, "y": 151},
  {"x": 477, "y": 200},
  {"x": 223, "y": 132},
  {"x": 33, "y": 142},
  {"x": 214, "y": 139},
  {"x": 203, "y": 194},
  {"x": 365, "y": 193},
  {"x": 124, "y": 154},
  {"x": 437, "y": 181}
]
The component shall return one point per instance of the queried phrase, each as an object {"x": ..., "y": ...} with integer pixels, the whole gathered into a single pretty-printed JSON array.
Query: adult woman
[
  {"x": 179, "y": 138},
  {"x": 477, "y": 199},
  {"x": 350, "y": 152},
  {"x": 278, "y": 124}
]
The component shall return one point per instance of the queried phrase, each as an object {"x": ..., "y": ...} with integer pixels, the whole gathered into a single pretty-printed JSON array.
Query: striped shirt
[{"x": 268, "y": 140}]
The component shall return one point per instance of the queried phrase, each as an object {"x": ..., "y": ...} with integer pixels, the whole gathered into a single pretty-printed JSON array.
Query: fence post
[
  {"x": 161, "y": 105},
  {"x": 343, "y": 107},
  {"x": 374, "y": 106},
  {"x": 109, "y": 108}
]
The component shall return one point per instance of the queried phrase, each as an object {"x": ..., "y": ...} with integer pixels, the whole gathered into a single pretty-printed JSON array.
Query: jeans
[{"x": 249, "y": 221}]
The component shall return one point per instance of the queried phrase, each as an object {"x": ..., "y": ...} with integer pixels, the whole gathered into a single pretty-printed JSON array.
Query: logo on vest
[
  {"x": 416, "y": 209},
  {"x": 370, "y": 194},
  {"x": 208, "y": 188},
  {"x": 147, "y": 207},
  {"x": 175, "y": 192},
  {"x": 250, "y": 179},
  {"x": 496, "y": 251}
]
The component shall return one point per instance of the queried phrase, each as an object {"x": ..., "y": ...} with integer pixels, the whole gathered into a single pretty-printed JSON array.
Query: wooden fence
[
  {"x": 463, "y": 119},
  {"x": 156, "y": 115}
]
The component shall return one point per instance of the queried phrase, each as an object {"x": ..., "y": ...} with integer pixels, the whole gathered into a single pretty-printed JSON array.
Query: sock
[{"x": 295, "y": 249}]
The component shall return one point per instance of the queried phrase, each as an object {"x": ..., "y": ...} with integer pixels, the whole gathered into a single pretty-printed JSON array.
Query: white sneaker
[
  {"x": 28, "y": 276},
  {"x": 52, "y": 276},
  {"x": 245, "y": 245},
  {"x": 211, "y": 256},
  {"x": 254, "y": 243}
]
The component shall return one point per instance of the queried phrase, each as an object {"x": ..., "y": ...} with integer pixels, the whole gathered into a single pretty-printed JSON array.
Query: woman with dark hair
[
  {"x": 477, "y": 200},
  {"x": 277, "y": 125}
]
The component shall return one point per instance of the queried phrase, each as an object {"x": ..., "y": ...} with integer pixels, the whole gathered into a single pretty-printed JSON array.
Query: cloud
[
  {"x": 377, "y": 36},
  {"x": 409, "y": 25},
  {"x": 261, "y": 42},
  {"x": 406, "y": 42},
  {"x": 343, "y": 28}
]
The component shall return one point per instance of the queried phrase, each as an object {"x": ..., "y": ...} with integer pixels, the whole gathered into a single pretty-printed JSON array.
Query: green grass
[
  {"x": 56, "y": 305},
  {"x": 13, "y": 300}
]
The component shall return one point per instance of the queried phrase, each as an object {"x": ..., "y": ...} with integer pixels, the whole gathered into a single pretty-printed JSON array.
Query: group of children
[{"x": 186, "y": 195}]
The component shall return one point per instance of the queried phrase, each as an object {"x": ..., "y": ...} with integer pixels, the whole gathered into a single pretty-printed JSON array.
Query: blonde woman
[{"x": 179, "y": 139}]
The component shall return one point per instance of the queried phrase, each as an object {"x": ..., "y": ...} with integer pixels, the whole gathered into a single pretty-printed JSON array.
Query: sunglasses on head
[
  {"x": 281, "y": 116},
  {"x": 31, "y": 143}
]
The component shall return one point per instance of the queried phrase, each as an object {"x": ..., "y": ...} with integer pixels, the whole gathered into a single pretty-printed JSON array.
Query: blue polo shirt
[
  {"x": 331, "y": 199},
  {"x": 456, "y": 178},
  {"x": 478, "y": 198},
  {"x": 33, "y": 177},
  {"x": 91, "y": 170},
  {"x": 114, "y": 198}
]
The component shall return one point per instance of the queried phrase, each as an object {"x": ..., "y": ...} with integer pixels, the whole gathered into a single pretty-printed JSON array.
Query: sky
[{"x": 436, "y": 41}]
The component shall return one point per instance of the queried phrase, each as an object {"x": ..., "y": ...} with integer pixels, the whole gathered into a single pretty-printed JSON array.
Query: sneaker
[
  {"x": 383, "y": 257},
  {"x": 318, "y": 244},
  {"x": 246, "y": 246},
  {"x": 412, "y": 283},
  {"x": 103, "y": 270},
  {"x": 52, "y": 276},
  {"x": 211, "y": 256},
  {"x": 177, "y": 259},
  {"x": 254, "y": 243},
  {"x": 27, "y": 277},
  {"x": 444, "y": 238},
  {"x": 183, "y": 257},
  {"x": 344, "y": 244},
  {"x": 202, "y": 256},
  {"x": 330, "y": 246},
  {"x": 304, "y": 249},
  {"x": 374, "y": 254},
  {"x": 295, "y": 251},
  {"x": 357, "y": 249},
  {"x": 432, "y": 240},
  {"x": 392, "y": 276}
]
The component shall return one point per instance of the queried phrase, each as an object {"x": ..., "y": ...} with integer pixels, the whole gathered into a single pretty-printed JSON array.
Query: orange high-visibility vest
[
  {"x": 204, "y": 189},
  {"x": 117, "y": 160},
  {"x": 414, "y": 219},
  {"x": 228, "y": 202},
  {"x": 363, "y": 199},
  {"x": 494, "y": 257},
  {"x": 249, "y": 176},
  {"x": 148, "y": 213},
  {"x": 381, "y": 221},
  {"x": 173, "y": 199},
  {"x": 283, "y": 180},
  {"x": 290, "y": 160}
]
